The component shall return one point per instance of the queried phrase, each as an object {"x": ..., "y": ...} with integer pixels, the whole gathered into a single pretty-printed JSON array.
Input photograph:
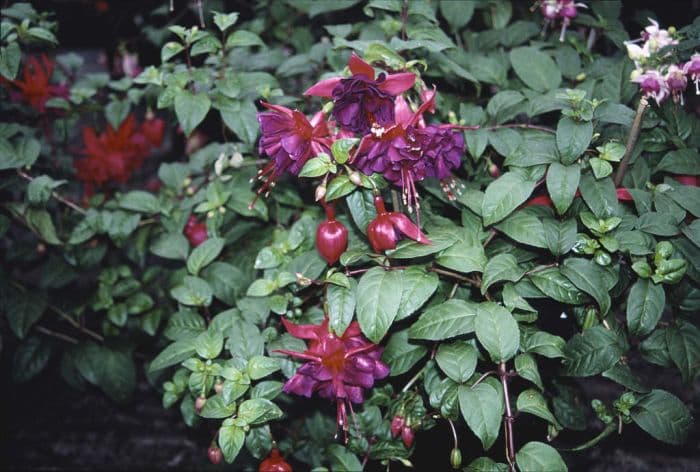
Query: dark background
[{"x": 46, "y": 425}]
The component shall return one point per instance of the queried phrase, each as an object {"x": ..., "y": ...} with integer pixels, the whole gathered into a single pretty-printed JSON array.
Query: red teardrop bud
[
  {"x": 331, "y": 236},
  {"x": 623, "y": 195},
  {"x": 397, "y": 424},
  {"x": 407, "y": 435},
  {"x": 195, "y": 232},
  {"x": 274, "y": 463},
  {"x": 215, "y": 455}
]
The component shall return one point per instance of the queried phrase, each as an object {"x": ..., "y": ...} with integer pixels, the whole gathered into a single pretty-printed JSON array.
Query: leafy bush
[{"x": 540, "y": 231}]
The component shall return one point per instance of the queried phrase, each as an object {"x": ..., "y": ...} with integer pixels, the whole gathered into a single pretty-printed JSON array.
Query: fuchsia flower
[
  {"x": 652, "y": 84},
  {"x": 559, "y": 9},
  {"x": 289, "y": 139},
  {"x": 337, "y": 367},
  {"x": 362, "y": 101},
  {"x": 34, "y": 87},
  {"x": 676, "y": 82},
  {"x": 692, "y": 68},
  {"x": 385, "y": 230}
]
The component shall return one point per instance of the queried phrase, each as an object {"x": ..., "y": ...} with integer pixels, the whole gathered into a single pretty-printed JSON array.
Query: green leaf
[
  {"x": 595, "y": 350},
  {"x": 217, "y": 408},
  {"x": 191, "y": 109},
  {"x": 525, "y": 227},
  {"x": 645, "y": 305},
  {"x": 418, "y": 286},
  {"x": 193, "y": 291},
  {"x": 408, "y": 249},
  {"x": 40, "y": 188},
  {"x": 457, "y": 360},
  {"x": 341, "y": 306},
  {"x": 499, "y": 268},
  {"x": 535, "y": 68},
  {"x": 317, "y": 166},
  {"x": 116, "y": 112},
  {"x": 379, "y": 304},
  {"x": 259, "y": 410},
  {"x": 683, "y": 340},
  {"x": 261, "y": 288},
  {"x": 482, "y": 408},
  {"x": 361, "y": 206},
  {"x": 622, "y": 374},
  {"x": 543, "y": 343},
  {"x": 400, "y": 355},
  {"x": 171, "y": 246},
  {"x": 243, "y": 38},
  {"x": 170, "y": 50},
  {"x": 562, "y": 183},
  {"x": 553, "y": 284},
  {"x": 589, "y": 277},
  {"x": 497, "y": 331},
  {"x": 504, "y": 195},
  {"x": 261, "y": 366},
  {"x": 42, "y": 34},
  {"x": 485, "y": 464},
  {"x": 339, "y": 187},
  {"x": 680, "y": 161},
  {"x": 446, "y": 320},
  {"x": 457, "y": 14},
  {"x": 463, "y": 257},
  {"x": 140, "y": 201},
  {"x": 599, "y": 195},
  {"x": 231, "y": 439},
  {"x": 173, "y": 354},
  {"x": 111, "y": 370},
  {"x": 209, "y": 344},
  {"x": 23, "y": 309},
  {"x": 573, "y": 138},
  {"x": 526, "y": 367},
  {"x": 30, "y": 358},
  {"x": 40, "y": 222},
  {"x": 223, "y": 21},
  {"x": 560, "y": 235},
  {"x": 663, "y": 416},
  {"x": 658, "y": 224},
  {"x": 600, "y": 167},
  {"x": 531, "y": 401},
  {"x": 342, "y": 459},
  {"x": 539, "y": 456},
  {"x": 10, "y": 57},
  {"x": 204, "y": 254},
  {"x": 341, "y": 149},
  {"x": 240, "y": 116}
]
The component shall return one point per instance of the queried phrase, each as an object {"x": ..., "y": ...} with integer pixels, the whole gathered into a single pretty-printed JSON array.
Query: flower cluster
[
  {"x": 564, "y": 10},
  {"x": 115, "y": 154},
  {"x": 338, "y": 367},
  {"x": 656, "y": 75},
  {"x": 35, "y": 88}
]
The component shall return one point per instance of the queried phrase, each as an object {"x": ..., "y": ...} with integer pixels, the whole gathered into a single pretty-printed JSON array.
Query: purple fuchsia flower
[
  {"x": 386, "y": 229},
  {"x": 652, "y": 84},
  {"x": 289, "y": 139},
  {"x": 565, "y": 10},
  {"x": 676, "y": 82},
  {"x": 443, "y": 148},
  {"x": 338, "y": 367},
  {"x": 692, "y": 68},
  {"x": 362, "y": 101}
]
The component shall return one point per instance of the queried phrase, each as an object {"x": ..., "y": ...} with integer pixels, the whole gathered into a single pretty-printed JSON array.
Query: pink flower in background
[
  {"x": 676, "y": 82},
  {"x": 337, "y": 367},
  {"x": 692, "y": 68},
  {"x": 652, "y": 84}
]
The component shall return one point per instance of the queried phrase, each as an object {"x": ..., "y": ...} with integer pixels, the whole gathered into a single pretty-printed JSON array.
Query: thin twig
[
  {"x": 54, "y": 194},
  {"x": 492, "y": 234},
  {"x": 55, "y": 334},
  {"x": 76, "y": 325},
  {"x": 454, "y": 275},
  {"x": 483, "y": 376},
  {"x": 631, "y": 141},
  {"x": 508, "y": 418},
  {"x": 413, "y": 380},
  {"x": 541, "y": 267}
]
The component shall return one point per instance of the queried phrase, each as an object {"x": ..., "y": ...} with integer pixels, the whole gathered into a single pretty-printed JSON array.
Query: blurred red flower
[{"x": 35, "y": 88}]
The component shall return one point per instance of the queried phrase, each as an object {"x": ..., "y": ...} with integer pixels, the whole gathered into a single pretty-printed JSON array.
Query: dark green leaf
[
  {"x": 379, "y": 304},
  {"x": 645, "y": 305},
  {"x": 497, "y": 331},
  {"x": 595, "y": 350},
  {"x": 663, "y": 416},
  {"x": 446, "y": 320},
  {"x": 539, "y": 456}
]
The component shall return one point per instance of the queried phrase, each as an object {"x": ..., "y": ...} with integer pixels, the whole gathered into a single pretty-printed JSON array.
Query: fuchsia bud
[
  {"x": 195, "y": 231},
  {"x": 407, "y": 436},
  {"x": 382, "y": 231},
  {"x": 215, "y": 455},
  {"x": 331, "y": 237},
  {"x": 199, "y": 403},
  {"x": 397, "y": 424}
]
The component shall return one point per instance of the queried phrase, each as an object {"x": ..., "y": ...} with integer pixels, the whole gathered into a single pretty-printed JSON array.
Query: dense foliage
[{"x": 326, "y": 227}]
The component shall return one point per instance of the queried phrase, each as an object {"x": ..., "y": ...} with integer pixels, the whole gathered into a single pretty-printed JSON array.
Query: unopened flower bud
[
  {"x": 581, "y": 77},
  {"x": 222, "y": 210},
  {"x": 187, "y": 182},
  {"x": 219, "y": 387},
  {"x": 407, "y": 436},
  {"x": 302, "y": 281},
  {"x": 320, "y": 192},
  {"x": 397, "y": 424},
  {"x": 215, "y": 455},
  {"x": 190, "y": 191},
  {"x": 236, "y": 160},
  {"x": 671, "y": 30},
  {"x": 494, "y": 171},
  {"x": 199, "y": 403},
  {"x": 210, "y": 214},
  {"x": 456, "y": 458},
  {"x": 220, "y": 164},
  {"x": 355, "y": 178}
]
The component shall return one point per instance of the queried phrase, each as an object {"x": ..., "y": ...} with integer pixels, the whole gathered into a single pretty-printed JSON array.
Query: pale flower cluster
[{"x": 656, "y": 76}]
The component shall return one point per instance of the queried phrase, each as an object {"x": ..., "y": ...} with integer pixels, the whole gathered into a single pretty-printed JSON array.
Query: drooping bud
[
  {"x": 456, "y": 458},
  {"x": 397, "y": 424},
  {"x": 331, "y": 237},
  {"x": 215, "y": 455},
  {"x": 355, "y": 178},
  {"x": 199, "y": 403},
  {"x": 320, "y": 192},
  {"x": 407, "y": 436}
]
